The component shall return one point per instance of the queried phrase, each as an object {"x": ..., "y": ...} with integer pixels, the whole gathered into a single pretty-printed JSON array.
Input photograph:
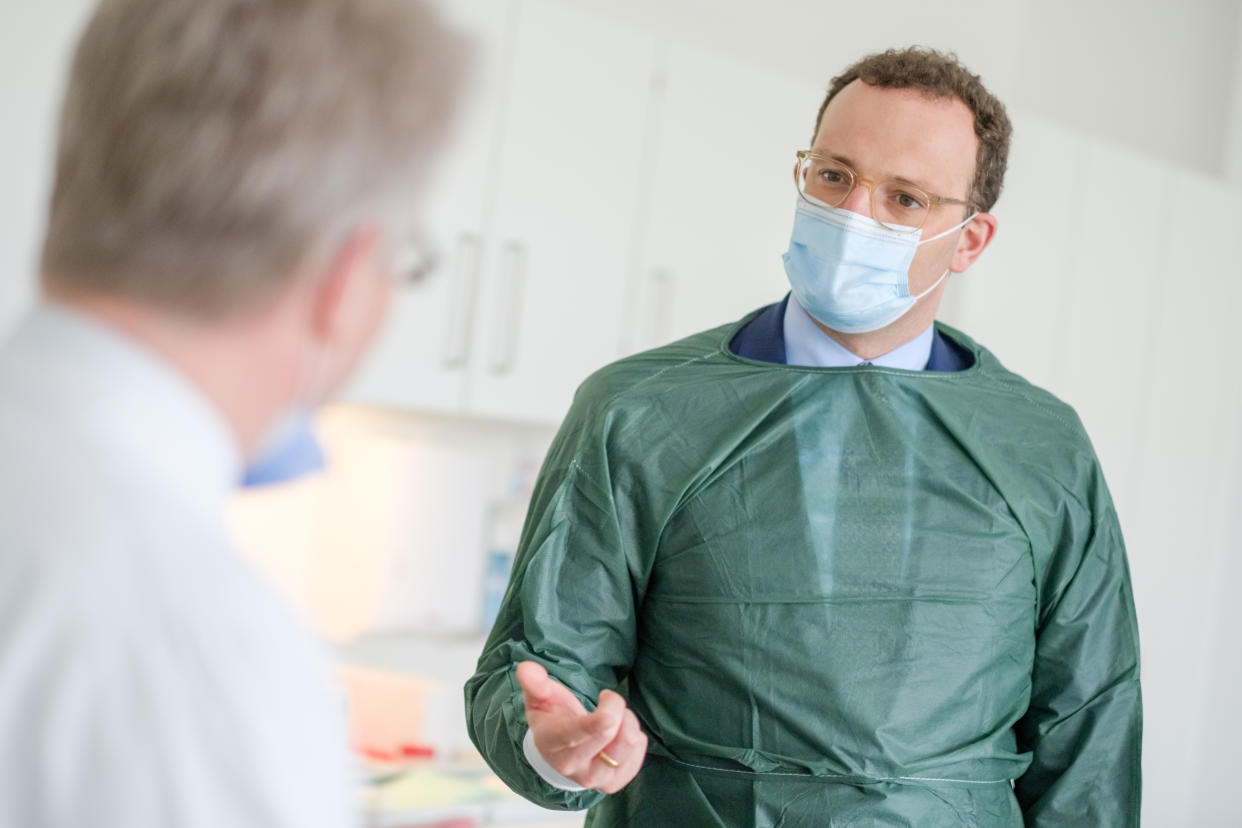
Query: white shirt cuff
[{"x": 546, "y": 771}]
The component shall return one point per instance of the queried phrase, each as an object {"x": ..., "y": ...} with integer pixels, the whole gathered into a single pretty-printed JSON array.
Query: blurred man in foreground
[{"x": 234, "y": 182}]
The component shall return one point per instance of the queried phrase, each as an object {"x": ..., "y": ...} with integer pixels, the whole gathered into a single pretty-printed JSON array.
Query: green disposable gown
[{"x": 833, "y": 597}]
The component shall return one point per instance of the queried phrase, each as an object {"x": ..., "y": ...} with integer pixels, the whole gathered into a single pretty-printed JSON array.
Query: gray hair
[{"x": 210, "y": 150}]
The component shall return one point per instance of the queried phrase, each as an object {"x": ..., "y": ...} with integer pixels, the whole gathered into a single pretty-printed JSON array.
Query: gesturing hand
[{"x": 571, "y": 739}]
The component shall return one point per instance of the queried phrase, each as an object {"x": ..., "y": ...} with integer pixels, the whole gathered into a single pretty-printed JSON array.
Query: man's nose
[{"x": 859, "y": 200}]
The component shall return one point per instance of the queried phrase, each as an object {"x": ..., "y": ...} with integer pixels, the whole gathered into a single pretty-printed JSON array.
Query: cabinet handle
[
  {"x": 513, "y": 261},
  {"x": 461, "y": 309}
]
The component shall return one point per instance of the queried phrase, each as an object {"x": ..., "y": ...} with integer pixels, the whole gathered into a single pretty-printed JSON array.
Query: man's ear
[
  {"x": 975, "y": 238},
  {"x": 342, "y": 284}
]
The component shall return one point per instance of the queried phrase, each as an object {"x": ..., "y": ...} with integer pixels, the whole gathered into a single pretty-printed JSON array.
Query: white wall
[
  {"x": 814, "y": 40},
  {"x": 35, "y": 44},
  {"x": 1233, "y": 136},
  {"x": 1148, "y": 74}
]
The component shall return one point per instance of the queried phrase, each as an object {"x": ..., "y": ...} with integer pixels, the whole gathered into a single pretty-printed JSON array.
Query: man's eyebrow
[{"x": 900, "y": 179}]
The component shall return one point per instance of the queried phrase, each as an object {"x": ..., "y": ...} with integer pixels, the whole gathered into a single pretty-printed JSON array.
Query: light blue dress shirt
[{"x": 806, "y": 344}]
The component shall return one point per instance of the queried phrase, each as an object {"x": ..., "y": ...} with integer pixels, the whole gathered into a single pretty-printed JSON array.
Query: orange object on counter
[{"x": 387, "y": 713}]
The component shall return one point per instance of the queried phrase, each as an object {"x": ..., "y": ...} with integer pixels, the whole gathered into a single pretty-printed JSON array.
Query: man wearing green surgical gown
[{"x": 830, "y": 564}]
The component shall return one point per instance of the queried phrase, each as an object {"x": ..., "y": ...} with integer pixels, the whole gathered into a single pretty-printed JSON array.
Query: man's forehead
[{"x": 900, "y": 133}]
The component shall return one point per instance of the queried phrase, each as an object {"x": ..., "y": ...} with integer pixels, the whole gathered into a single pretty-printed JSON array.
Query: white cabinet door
[
  {"x": 421, "y": 356},
  {"x": 570, "y": 162},
  {"x": 721, "y": 206}
]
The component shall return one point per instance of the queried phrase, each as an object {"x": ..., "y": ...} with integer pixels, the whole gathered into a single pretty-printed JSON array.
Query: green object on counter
[{"x": 833, "y": 596}]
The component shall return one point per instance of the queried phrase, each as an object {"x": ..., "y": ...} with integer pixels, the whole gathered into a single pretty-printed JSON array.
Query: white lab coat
[{"x": 148, "y": 677}]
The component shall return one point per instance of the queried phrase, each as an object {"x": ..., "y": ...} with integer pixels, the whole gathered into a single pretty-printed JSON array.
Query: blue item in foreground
[{"x": 297, "y": 453}]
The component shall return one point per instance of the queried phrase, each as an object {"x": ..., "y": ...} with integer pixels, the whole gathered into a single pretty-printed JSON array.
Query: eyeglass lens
[{"x": 892, "y": 202}]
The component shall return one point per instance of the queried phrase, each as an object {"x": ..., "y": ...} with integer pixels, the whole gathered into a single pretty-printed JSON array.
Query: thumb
[{"x": 542, "y": 692}]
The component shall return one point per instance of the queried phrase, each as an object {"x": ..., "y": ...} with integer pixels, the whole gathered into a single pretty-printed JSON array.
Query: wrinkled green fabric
[{"x": 833, "y": 597}]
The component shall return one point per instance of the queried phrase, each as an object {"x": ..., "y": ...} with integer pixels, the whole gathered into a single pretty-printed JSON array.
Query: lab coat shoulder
[
  {"x": 1001, "y": 392},
  {"x": 647, "y": 375},
  {"x": 640, "y": 411},
  {"x": 1033, "y": 435},
  {"x": 63, "y": 521},
  {"x": 1036, "y": 451},
  {"x": 152, "y": 679}
]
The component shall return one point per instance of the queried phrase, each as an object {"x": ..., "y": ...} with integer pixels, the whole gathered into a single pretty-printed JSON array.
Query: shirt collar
[
  {"x": 131, "y": 404},
  {"x": 807, "y": 345}
]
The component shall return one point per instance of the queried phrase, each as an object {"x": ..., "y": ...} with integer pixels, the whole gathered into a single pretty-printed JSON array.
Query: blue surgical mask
[
  {"x": 290, "y": 451},
  {"x": 850, "y": 272}
]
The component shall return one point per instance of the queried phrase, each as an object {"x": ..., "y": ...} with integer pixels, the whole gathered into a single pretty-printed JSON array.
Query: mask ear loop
[
  {"x": 930, "y": 289},
  {"x": 968, "y": 220},
  {"x": 955, "y": 227}
]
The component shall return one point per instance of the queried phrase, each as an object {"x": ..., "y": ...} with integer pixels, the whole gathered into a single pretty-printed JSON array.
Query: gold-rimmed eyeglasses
[
  {"x": 895, "y": 203},
  {"x": 413, "y": 259}
]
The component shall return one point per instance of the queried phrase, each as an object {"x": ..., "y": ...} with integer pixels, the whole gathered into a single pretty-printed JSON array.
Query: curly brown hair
[{"x": 941, "y": 75}]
